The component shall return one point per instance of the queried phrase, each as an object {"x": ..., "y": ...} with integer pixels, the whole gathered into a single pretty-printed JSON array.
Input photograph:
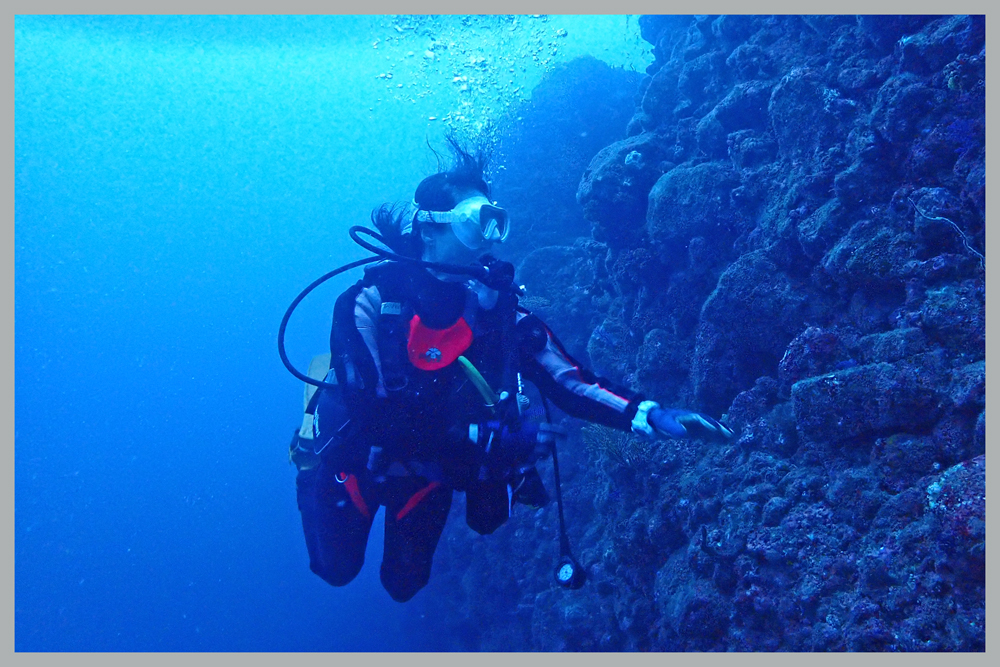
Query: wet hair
[
  {"x": 391, "y": 220},
  {"x": 437, "y": 192}
]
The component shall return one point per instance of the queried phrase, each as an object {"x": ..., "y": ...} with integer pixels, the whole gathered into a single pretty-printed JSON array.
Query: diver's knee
[
  {"x": 336, "y": 575},
  {"x": 402, "y": 589},
  {"x": 403, "y": 593}
]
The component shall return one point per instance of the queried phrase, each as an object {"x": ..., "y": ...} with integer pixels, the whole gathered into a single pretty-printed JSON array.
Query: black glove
[
  {"x": 499, "y": 275},
  {"x": 507, "y": 446},
  {"x": 685, "y": 424}
]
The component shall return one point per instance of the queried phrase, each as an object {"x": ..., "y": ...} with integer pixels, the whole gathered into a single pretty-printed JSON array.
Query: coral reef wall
[
  {"x": 578, "y": 109},
  {"x": 790, "y": 233}
]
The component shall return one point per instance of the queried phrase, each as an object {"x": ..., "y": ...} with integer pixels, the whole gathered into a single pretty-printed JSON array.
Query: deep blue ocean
[{"x": 178, "y": 180}]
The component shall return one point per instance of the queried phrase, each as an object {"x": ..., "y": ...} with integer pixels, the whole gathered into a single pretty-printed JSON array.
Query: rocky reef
[{"x": 789, "y": 232}]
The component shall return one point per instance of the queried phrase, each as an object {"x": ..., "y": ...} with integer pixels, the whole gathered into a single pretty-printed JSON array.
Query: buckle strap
[
  {"x": 350, "y": 483},
  {"x": 416, "y": 498}
]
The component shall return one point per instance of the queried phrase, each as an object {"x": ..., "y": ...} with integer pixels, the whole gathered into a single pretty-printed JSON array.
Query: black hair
[
  {"x": 434, "y": 193},
  {"x": 437, "y": 192},
  {"x": 390, "y": 220}
]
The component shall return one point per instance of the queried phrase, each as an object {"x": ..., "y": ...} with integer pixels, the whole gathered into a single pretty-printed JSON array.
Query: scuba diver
[{"x": 423, "y": 393}]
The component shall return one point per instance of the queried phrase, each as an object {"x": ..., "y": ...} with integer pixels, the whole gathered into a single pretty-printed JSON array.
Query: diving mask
[{"x": 476, "y": 221}]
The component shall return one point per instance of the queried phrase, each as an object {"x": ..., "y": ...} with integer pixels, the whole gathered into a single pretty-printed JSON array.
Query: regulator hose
[
  {"x": 495, "y": 280},
  {"x": 288, "y": 313}
]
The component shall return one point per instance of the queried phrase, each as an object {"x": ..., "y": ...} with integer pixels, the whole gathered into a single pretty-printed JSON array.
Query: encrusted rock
[
  {"x": 892, "y": 345},
  {"x": 746, "y": 325},
  {"x": 869, "y": 400},
  {"x": 615, "y": 197},
  {"x": 968, "y": 386},
  {"x": 955, "y": 315},
  {"x": 901, "y": 459},
  {"x": 801, "y": 99},
  {"x": 870, "y": 254},
  {"x": 687, "y": 202},
  {"x": 820, "y": 229}
]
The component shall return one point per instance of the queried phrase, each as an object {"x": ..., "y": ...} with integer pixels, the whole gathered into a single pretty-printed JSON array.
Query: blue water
[{"x": 177, "y": 181}]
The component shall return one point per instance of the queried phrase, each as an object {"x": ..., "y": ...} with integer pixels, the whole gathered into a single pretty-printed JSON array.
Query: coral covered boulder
[
  {"x": 869, "y": 400},
  {"x": 691, "y": 201},
  {"x": 746, "y": 324},
  {"x": 614, "y": 190}
]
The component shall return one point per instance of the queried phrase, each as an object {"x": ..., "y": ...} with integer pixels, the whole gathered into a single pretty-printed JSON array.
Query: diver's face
[{"x": 443, "y": 246}]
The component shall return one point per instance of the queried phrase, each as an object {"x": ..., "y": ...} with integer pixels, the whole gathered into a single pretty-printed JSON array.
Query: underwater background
[
  {"x": 779, "y": 220},
  {"x": 178, "y": 180}
]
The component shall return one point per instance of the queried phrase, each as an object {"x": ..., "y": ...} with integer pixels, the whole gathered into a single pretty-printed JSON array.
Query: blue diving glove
[{"x": 651, "y": 419}]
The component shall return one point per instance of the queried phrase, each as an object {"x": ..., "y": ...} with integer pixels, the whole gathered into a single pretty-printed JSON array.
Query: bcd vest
[{"x": 424, "y": 325}]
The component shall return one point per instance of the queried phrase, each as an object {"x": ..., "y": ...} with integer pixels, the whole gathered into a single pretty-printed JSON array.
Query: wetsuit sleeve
[
  {"x": 576, "y": 390},
  {"x": 353, "y": 346}
]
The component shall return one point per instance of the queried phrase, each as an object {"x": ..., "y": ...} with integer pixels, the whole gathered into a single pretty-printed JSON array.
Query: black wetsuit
[{"x": 406, "y": 442}]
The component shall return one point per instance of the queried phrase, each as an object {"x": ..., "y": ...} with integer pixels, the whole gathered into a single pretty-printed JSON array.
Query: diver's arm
[
  {"x": 575, "y": 389},
  {"x": 580, "y": 393},
  {"x": 353, "y": 347}
]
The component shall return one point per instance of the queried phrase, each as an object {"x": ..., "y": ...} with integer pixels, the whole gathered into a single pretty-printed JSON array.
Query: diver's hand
[
  {"x": 498, "y": 274},
  {"x": 686, "y": 424}
]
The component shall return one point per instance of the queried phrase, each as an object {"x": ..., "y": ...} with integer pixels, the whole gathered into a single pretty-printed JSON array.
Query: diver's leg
[
  {"x": 415, "y": 515},
  {"x": 487, "y": 505},
  {"x": 337, "y": 512}
]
